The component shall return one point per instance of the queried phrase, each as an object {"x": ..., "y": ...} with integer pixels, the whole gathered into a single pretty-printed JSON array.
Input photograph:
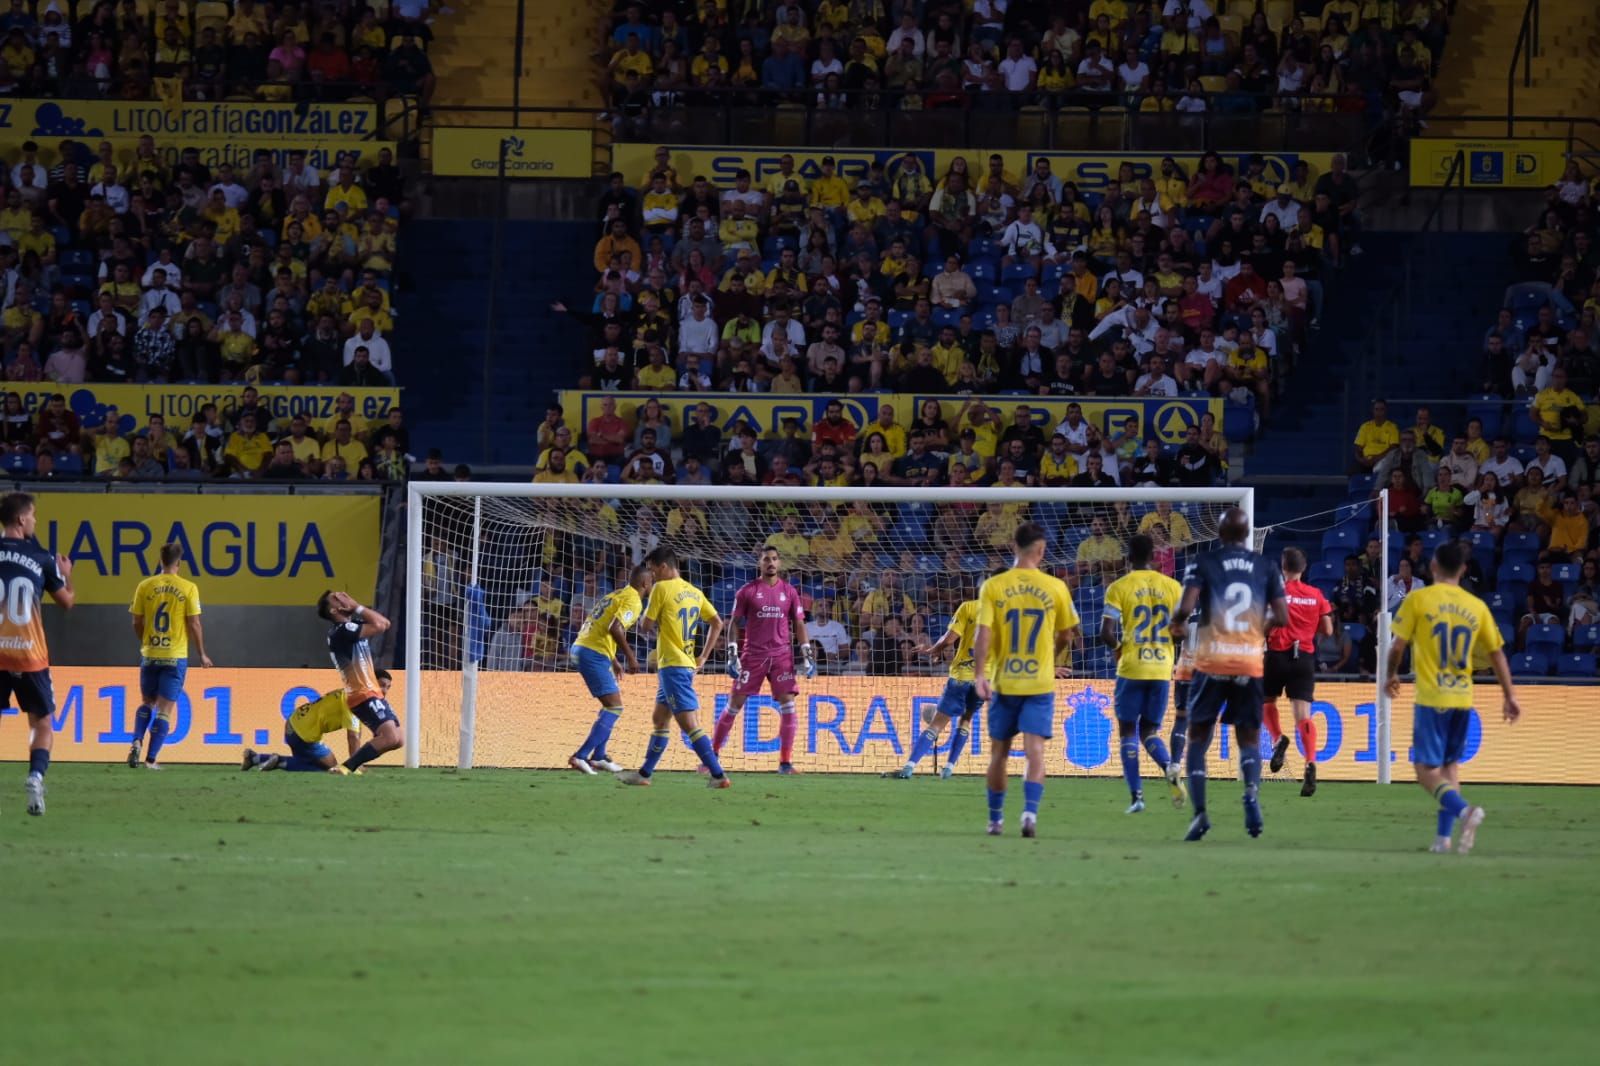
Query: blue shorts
[
  {"x": 597, "y": 672},
  {"x": 959, "y": 698},
  {"x": 1139, "y": 700},
  {"x": 1010, "y": 715},
  {"x": 161, "y": 679},
  {"x": 1439, "y": 734},
  {"x": 374, "y": 713},
  {"x": 1211, "y": 698},
  {"x": 675, "y": 688},
  {"x": 300, "y": 748}
]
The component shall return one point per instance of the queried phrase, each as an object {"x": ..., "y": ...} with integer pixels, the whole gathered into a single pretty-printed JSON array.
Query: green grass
[{"x": 208, "y": 916}]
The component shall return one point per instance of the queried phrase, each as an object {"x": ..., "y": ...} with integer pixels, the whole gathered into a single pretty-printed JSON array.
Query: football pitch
[{"x": 202, "y": 915}]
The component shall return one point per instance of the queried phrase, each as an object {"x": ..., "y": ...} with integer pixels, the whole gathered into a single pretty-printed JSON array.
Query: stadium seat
[
  {"x": 1346, "y": 538},
  {"x": 1567, "y": 574},
  {"x": 1586, "y": 638},
  {"x": 1530, "y": 664},
  {"x": 1361, "y": 485},
  {"x": 982, "y": 272},
  {"x": 1527, "y": 297},
  {"x": 1515, "y": 572},
  {"x": 77, "y": 261},
  {"x": 1355, "y": 631},
  {"x": 1325, "y": 571},
  {"x": 1575, "y": 664},
  {"x": 1432, "y": 538},
  {"x": 947, "y": 316},
  {"x": 1523, "y": 427},
  {"x": 982, "y": 248},
  {"x": 1520, "y": 542},
  {"x": 1018, "y": 273},
  {"x": 1501, "y": 605},
  {"x": 1546, "y": 637},
  {"x": 1483, "y": 544}
]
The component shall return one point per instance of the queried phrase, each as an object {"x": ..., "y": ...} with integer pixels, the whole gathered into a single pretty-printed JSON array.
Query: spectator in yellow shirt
[
  {"x": 346, "y": 191},
  {"x": 344, "y": 445},
  {"x": 1176, "y": 525},
  {"x": 1377, "y": 437},
  {"x": 830, "y": 192},
  {"x": 1560, "y": 414},
  {"x": 894, "y": 434}
]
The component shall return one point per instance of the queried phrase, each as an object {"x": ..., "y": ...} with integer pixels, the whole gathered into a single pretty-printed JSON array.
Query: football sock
[
  {"x": 141, "y": 722},
  {"x": 38, "y": 762},
  {"x": 1307, "y": 731},
  {"x": 364, "y": 754},
  {"x": 652, "y": 755},
  {"x": 724, "y": 727},
  {"x": 1158, "y": 751},
  {"x": 958, "y": 744},
  {"x": 1269, "y": 718},
  {"x": 926, "y": 741},
  {"x": 1196, "y": 765},
  {"x": 158, "y": 736},
  {"x": 997, "y": 805},
  {"x": 595, "y": 743},
  {"x": 787, "y": 724},
  {"x": 1250, "y": 770},
  {"x": 1130, "y": 764},
  {"x": 1449, "y": 799},
  {"x": 295, "y": 764},
  {"x": 1179, "y": 740},
  {"x": 702, "y": 747},
  {"x": 1032, "y": 793},
  {"x": 1447, "y": 822}
]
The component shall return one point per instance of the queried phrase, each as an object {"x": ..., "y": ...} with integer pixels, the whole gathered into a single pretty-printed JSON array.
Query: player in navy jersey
[
  {"x": 353, "y": 624},
  {"x": 768, "y": 613},
  {"x": 1239, "y": 596},
  {"x": 27, "y": 572}
]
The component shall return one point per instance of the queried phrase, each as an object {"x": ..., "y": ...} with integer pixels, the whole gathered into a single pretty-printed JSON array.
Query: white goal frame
[{"x": 418, "y": 492}]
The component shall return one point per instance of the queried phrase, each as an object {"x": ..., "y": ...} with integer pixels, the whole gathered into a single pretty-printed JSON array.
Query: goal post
[{"x": 501, "y": 576}]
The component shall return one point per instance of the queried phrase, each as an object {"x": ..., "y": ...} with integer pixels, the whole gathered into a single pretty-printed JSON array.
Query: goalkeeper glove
[
  {"x": 733, "y": 660},
  {"x": 808, "y": 665}
]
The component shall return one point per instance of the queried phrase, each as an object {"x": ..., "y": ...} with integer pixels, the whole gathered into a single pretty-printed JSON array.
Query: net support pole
[
  {"x": 413, "y": 594},
  {"x": 1385, "y": 731},
  {"x": 469, "y": 662}
]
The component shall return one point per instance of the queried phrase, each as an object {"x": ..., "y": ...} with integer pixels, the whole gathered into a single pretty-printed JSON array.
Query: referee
[{"x": 1291, "y": 665}]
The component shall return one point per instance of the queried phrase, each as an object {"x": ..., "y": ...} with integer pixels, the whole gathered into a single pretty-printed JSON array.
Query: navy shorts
[
  {"x": 374, "y": 713},
  {"x": 161, "y": 679},
  {"x": 1010, "y": 715},
  {"x": 300, "y": 747},
  {"x": 958, "y": 698},
  {"x": 1439, "y": 734},
  {"x": 1238, "y": 704},
  {"x": 1141, "y": 700},
  {"x": 35, "y": 695}
]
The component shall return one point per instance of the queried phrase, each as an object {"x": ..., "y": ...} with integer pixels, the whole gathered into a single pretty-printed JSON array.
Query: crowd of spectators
[
  {"x": 215, "y": 50},
  {"x": 1183, "y": 56}
]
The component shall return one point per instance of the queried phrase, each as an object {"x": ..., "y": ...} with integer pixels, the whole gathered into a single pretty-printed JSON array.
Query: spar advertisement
[{"x": 847, "y": 725}]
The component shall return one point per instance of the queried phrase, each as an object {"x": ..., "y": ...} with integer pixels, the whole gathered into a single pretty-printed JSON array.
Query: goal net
[{"x": 507, "y": 576}]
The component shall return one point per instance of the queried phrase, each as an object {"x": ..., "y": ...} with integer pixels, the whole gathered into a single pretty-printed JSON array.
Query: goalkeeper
[
  {"x": 306, "y": 727},
  {"x": 764, "y": 612}
]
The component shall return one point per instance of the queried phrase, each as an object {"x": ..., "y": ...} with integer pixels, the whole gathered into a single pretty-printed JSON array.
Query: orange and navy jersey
[
  {"x": 352, "y": 657},
  {"x": 27, "y": 572},
  {"x": 1237, "y": 589},
  {"x": 1307, "y": 607}
]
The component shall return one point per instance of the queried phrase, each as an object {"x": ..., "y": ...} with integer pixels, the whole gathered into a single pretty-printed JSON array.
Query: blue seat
[
  {"x": 1325, "y": 571},
  {"x": 1517, "y": 557},
  {"x": 1018, "y": 272},
  {"x": 983, "y": 320},
  {"x": 981, "y": 272},
  {"x": 1520, "y": 542},
  {"x": 77, "y": 260},
  {"x": 1355, "y": 631},
  {"x": 1489, "y": 412},
  {"x": 990, "y": 295},
  {"x": 1346, "y": 537},
  {"x": 1567, "y": 574},
  {"x": 1483, "y": 544},
  {"x": 897, "y": 319},
  {"x": 1586, "y": 638},
  {"x": 1575, "y": 664},
  {"x": 947, "y": 316},
  {"x": 1052, "y": 272},
  {"x": 83, "y": 283},
  {"x": 1527, "y": 297},
  {"x": 1501, "y": 605},
  {"x": 1361, "y": 485},
  {"x": 1515, "y": 572},
  {"x": 1432, "y": 538},
  {"x": 981, "y": 248},
  {"x": 1508, "y": 633},
  {"x": 1523, "y": 428},
  {"x": 1530, "y": 664},
  {"x": 1546, "y": 637}
]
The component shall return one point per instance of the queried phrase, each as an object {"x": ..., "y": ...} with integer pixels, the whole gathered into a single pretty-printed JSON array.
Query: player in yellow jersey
[
  {"x": 303, "y": 732},
  {"x": 1139, "y": 607},
  {"x": 594, "y": 654},
  {"x": 166, "y": 616},
  {"x": 958, "y": 702},
  {"x": 1446, "y": 628},
  {"x": 676, "y": 611},
  {"x": 1024, "y": 617}
]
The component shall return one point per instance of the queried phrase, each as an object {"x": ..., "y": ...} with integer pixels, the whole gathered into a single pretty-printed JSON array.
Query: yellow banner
[
  {"x": 178, "y": 404},
  {"x": 256, "y": 550},
  {"x": 1167, "y": 419},
  {"x": 1490, "y": 164},
  {"x": 95, "y": 120},
  {"x": 474, "y": 152},
  {"x": 1092, "y": 171},
  {"x": 222, "y": 712}
]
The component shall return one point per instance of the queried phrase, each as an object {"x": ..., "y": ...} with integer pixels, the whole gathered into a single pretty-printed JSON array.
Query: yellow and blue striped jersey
[
  {"x": 165, "y": 602},
  {"x": 1143, "y": 603},
  {"x": 621, "y": 606},
  {"x": 677, "y": 608},
  {"x": 1024, "y": 610},
  {"x": 1447, "y": 628}
]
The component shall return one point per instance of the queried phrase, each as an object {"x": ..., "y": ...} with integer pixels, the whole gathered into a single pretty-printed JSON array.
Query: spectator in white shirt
[
  {"x": 1018, "y": 69},
  {"x": 698, "y": 334},
  {"x": 377, "y": 348},
  {"x": 1134, "y": 73},
  {"x": 116, "y": 195},
  {"x": 158, "y": 295},
  {"x": 37, "y": 175},
  {"x": 1156, "y": 381},
  {"x": 1095, "y": 73},
  {"x": 164, "y": 265},
  {"x": 827, "y": 62},
  {"x": 693, "y": 378},
  {"x": 828, "y": 634},
  {"x": 782, "y": 322},
  {"x": 1402, "y": 583},
  {"x": 233, "y": 194},
  {"x": 107, "y": 310},
  {"x": 907, "y": 30},
  {"x": 1196, "y": 10},
  {"x": 1264, "y": 336},
  {"x": 1285, "y": 208},
  {"x": 1075, "y": 429},
  {"x": 1505, "y": 467},
  {"x": 1552, "y": 466},
  {"x": 1204, "y": 364},
  {"x": 1024, "y": 239},
  {"x": 1138, "y": 327}
]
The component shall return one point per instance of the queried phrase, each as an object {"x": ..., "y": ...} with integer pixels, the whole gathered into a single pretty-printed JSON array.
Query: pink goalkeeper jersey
[{"x": 764, "y": 613}]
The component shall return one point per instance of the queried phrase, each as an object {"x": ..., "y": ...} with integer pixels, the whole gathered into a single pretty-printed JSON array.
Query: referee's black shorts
[{"x": 1290, "y": 671}]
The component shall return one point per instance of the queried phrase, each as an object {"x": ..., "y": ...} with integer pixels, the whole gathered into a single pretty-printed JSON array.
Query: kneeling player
[
  {"x": 959, "y": 701},
  {"x": 1291, "y": 666},
  {"x": 1139, "y": 607},
  {"x": 304, "y": 730},
  {"x": 766, "y": 609},
  {"x": 594, "y": 653}
]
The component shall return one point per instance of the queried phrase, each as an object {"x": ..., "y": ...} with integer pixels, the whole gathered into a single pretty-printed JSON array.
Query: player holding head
[
  {"x": 1239, "y": 596},
  {"x": 767, "y": 608},
  {"x": 166, "y": 615},
  {"x": 594, "y": 653},
  {"x": 1444, "y": 625},
  {"x": 1291, "y": 665},
  {"x": 676, "y": 611},
  {"x": 353, "y": 625},
  {"x": 27, "y": 572},
  {"x": 1139, "y": 608},
  {"x": 959, "y": 701},
  {"x": 303, "y": 732},
  {"x": 1025, "y": 617}
]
